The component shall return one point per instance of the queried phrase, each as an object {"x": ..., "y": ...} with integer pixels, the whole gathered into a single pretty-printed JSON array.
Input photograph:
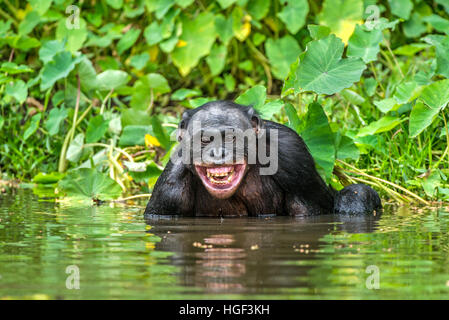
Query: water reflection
[{"x": 249, "y": 255}]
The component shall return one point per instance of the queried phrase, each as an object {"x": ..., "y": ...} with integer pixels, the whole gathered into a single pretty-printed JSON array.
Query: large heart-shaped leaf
[
  {"x": 322, "y": 69},
  {"x": 364, "y": 44},
  {"x": 197, "y": 38},
  {"x": 294, "y": 14},
  {"x": 89, "y": 183},
  {"x": 282, "y": 53},
  {"x": 58, "y": 68}
]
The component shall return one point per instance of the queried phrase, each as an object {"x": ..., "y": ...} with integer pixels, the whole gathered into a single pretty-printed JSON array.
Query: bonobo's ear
[
  {"x": 182, "y": 125},
  {"x": 256, "y": 120}
]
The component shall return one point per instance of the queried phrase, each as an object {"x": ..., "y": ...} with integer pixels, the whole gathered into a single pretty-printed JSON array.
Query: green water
[{"x": 121, "y": 256}]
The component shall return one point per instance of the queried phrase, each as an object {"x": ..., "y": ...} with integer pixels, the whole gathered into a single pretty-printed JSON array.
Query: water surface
[{"x": 119, "y": 255}]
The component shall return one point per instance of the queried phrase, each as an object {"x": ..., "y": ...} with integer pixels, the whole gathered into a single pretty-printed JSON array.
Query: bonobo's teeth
[{"x": 220, "y": 175}]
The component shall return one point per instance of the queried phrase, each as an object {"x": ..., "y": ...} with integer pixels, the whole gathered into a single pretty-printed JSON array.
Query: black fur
[{"x": 295, "y": 189}]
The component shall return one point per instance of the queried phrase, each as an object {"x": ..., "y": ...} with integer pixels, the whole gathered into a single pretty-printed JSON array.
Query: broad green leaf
[
  {"x": 410, "y": 49},
  {"x": 153, "y": 33},
  {"x": 292, "y": 115},
  {"x": 441, "y": 44},
  {"x": 151, "y": 171},
  {"x": 12, "y": 68},
  {"x": 364, "y": 44},
  {"x": 226, "y": 3},
  {"x": 184, "y": 3},
  {"x": 341, "y": 16},
  {"x": 270, "y": 108},
  {"x": 17, "y": 89},
  {"x": 431, "y": 182},
  {"x": 384, "y": 124},
  {"x": 281, "y": 54},
  {"x": 386, "y": 105},
  {"x": 128, "y": 40},
  {"x": 346, "y": 149},
  {"x": 48, "y": 178},
  {"x": 40, "y": 6},
  {"x": 224, "y": 28},
  {"x": 198, "y": 35},
  {"x": 55, "y": 118},
  {"x": 75, "y": 150},
  {"x": 319, "y": 138},
  {"x": 182, "y": 94},
  {"x": 401, "y": 8},
  {"x": 258, "y": 9},
  {"x": 134, "y": 135},
  {"x": 75, "y": 35},
  {"x": 254, "y": 97},
  {"x": 89, "y": 183},
  {"x": 111, "y": 79},
  {"x": 159, "y": 7},
  {"x": 34, "y": 125},
  {"x": 160, "y": 133},
  {"x": 139, "y": 61},
  {"x": 436, "y": 95},
  {"x": 415, "y": 26},
  {"x": 438, "y": 23},
  {"x": 293, "y": 14},
  {"x": 217, "y": 59},
  {"x": 87, "y": 75},
  {"x": 322, "y": 69},
  {"x": 317, "y": 32},
  {"x": 96, "y": 129},
  {"x": 157, "y": 82},
  {"x": 31, "y": 20},
  {"x": 116, "y": 4},
  {"x": 421, "y": 117},
  {"x": 58, "y": 68},
  {"x": 49, "y": 49}
]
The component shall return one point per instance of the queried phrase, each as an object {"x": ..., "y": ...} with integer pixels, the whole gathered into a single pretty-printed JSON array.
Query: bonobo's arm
[
  {"x": 306, "y": 192},
  {"x": 172, "y": 194}
]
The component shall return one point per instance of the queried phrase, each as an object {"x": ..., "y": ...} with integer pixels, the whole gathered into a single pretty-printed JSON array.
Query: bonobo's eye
[{"x": 206, "y": 139}]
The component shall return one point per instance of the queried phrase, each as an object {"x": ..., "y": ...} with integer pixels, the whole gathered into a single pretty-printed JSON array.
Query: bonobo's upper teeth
[{"x": 219, "y": 171}]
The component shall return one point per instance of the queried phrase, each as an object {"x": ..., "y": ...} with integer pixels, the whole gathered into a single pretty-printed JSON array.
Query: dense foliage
[{"x": 96, "y": 88}]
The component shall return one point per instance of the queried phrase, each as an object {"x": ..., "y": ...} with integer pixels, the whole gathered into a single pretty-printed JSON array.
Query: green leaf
[
  {"x": 75, "y": 150},
  {"x": 75, "y": 36},
  {"x": 157, "y": 82},
  {"x": 319, "y": 138},
  {"x": 364, "y": 44},
  {"x": 271, "y": 108},
  {"x": 258, "y": 9},
  {"x": 318, "y": 32},
  {"x": 254, "y": 97},
  {"x": 89, "y": 183},
  {"x": 111, "y": 79},
  {"x": 198, "y": 35},
  {"x": 182, "y": 94},
  {"x": 96, "y": 129},
  {"x": 438, "y": 23},
  {"x": 415, "y": 26},
  {"x": 282, "y": 53},
  {"x": 11, "y": 68},
  {"x": 139, "y": 61},
  {"x": 31, "y": 20},
  {"x": 224, "y": 28},
  {"x": 341, "y": 16},
  {"x": 386, "y": 105},
  {"x": 322, "y": 69},
  {"x": 346, "y": 149},
  {"x": 153, "y": 33},
  {"x": 58, "y": 68},
  {"x": 17, "y": 89},
  {"x": 128, "y": 40},
  {"x": 226, "y": 3},
  {"x": 49, "y": 49},
  {"x": 292, "y": 115},
  {"x": 160, "y": 133},
  {"x": 134, "y": 135},
  {"x": 384, "y": 124},
  {"x": 436, "y": 95},
  {"x": 217, "y": 59},
  {"x": 48, "y": 178},
  {"x": 41, "y": 6},
  {"x": 116, "y": 4},
  {"x": 151, "y": 171},
  {"x": 421, "y": 117},
  {"x": 55, "y": 118},
  {"x": 34, "y": 125},
  {"x": 294, "y": 14},
  {"x": 401, "y": 8}
]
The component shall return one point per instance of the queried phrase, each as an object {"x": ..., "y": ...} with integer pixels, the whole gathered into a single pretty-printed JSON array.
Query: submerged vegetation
[{"x": 91, "y": 93}]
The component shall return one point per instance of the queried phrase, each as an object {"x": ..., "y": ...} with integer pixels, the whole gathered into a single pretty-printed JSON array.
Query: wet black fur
[{"x": 296, "y": 188}]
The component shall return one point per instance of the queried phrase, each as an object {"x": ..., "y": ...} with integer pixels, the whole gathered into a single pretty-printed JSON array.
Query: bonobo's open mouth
[{"x": 221, "y": 181}]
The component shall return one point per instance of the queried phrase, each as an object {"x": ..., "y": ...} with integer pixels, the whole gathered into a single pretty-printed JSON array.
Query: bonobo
[{"x": 230, "y": 162}]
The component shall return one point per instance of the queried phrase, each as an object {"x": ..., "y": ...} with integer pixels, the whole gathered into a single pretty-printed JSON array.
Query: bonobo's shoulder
[{"x": 282, "y": 129}]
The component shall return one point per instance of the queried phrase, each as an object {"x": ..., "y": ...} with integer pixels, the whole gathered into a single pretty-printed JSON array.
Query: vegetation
[{"x": 92, "y": 93}]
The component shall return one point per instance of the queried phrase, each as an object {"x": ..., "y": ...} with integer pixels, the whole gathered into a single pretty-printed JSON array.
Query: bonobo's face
[{"x": 218, "y": 150}]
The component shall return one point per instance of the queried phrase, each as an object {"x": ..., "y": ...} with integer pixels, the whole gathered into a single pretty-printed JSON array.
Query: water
[{"x": 121, "y": 256}]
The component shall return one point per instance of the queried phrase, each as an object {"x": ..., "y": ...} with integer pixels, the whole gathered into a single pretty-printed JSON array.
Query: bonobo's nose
[{"x": 218, "y": 153}]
